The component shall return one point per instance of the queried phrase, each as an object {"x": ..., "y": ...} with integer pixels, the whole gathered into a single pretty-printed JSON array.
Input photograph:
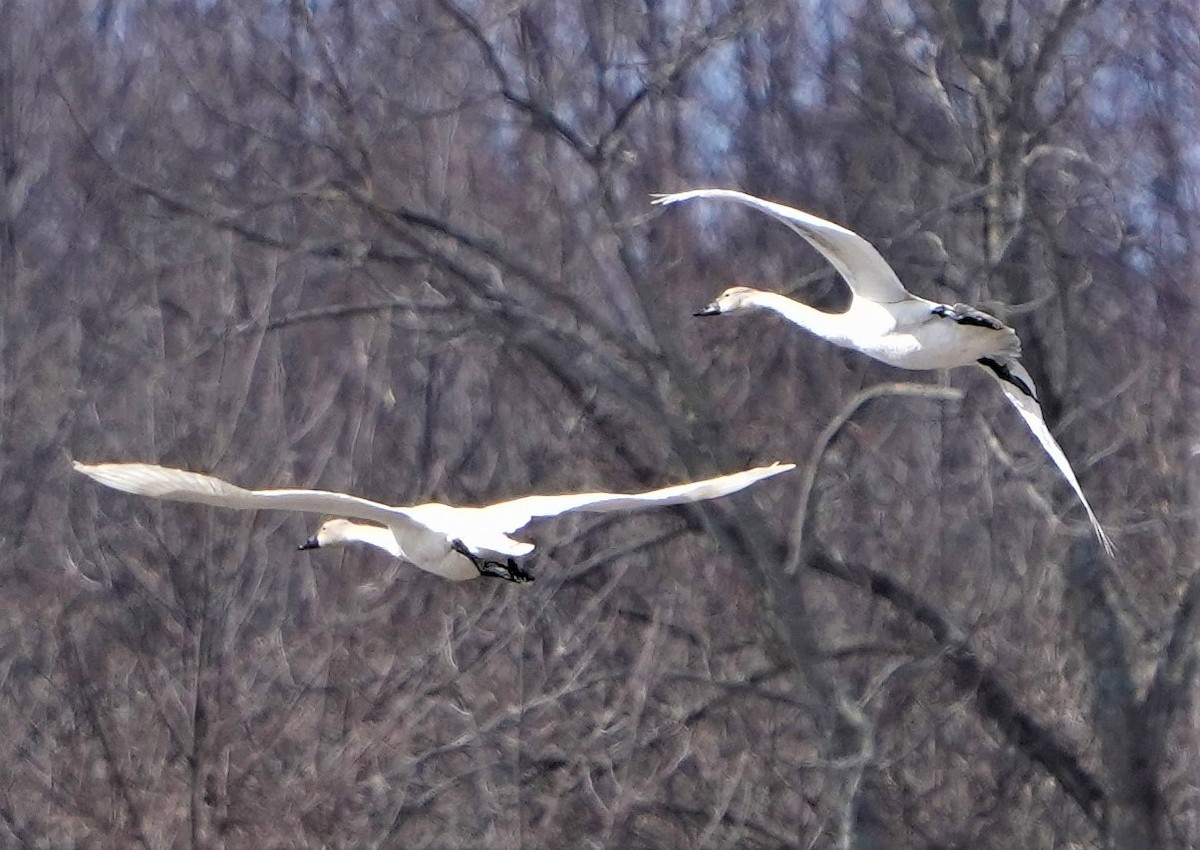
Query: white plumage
[
  {"x": 887, "y": 322},
  {"x": 452, "y": 542}
]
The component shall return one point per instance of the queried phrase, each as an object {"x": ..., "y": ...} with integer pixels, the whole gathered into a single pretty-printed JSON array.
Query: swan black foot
[{"x": 510, "y": 571}]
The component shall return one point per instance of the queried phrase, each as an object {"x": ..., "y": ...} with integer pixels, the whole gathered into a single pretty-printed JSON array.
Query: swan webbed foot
[
  {"x": 510, "y": 571},
  {"x": 517, "y": 574}
]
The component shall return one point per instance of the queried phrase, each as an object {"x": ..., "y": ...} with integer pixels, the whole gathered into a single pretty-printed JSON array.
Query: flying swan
[
  {"x": 887, "y": 322},
  {"x": 455, "y": 543}
]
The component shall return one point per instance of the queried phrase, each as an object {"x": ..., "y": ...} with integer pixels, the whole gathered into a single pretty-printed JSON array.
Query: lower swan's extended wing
[
  {"x": 508, "y": 517},
  {"x": 177, "y": 485},
  {"x": 1011, "y": 375}
]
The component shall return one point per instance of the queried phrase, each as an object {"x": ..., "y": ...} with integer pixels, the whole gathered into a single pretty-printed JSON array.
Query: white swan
[
  {"x": 455, "y": 543},
  {"x": 887, "y": 322}
]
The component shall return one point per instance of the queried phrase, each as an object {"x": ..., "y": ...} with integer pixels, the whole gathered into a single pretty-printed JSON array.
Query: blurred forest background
[{"x": 405, "y": 249}]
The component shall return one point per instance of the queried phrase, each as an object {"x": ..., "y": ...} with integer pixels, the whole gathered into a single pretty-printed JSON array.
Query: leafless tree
[{"x": 405, "y": 249}]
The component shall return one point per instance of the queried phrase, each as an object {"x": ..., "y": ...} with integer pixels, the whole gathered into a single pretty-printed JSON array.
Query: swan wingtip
[
  {"x": 667, "y": 198},
  {"x": 776, "y": 468}
]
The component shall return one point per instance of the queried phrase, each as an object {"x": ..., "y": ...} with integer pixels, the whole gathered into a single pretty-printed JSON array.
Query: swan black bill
[
  {"x": 712, "y": 309},
  {"x": 310, "y": 543}
]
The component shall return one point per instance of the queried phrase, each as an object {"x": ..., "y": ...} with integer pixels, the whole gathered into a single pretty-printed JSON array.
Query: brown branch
[
  {"x": 716, "y": 31},
  {"x": 551, "y": 290},
  {"x": 86, "y": 691},
  {"x": 764, "y": 834},
  {"x": 354, "y": 251},
  {"x": 345, "y": 101},
  {"x": 993, "y": 700},
  {"x": 342, "y": 311},
  {"x": 1171, "y": 689},
  {"x": 1051, "y": 44},
  {"x": 806, "y": 504},
  {"x": 14, "y": 828},
  {"x": 539, "y": 113},
  {"x": 1119, "y": 721}
]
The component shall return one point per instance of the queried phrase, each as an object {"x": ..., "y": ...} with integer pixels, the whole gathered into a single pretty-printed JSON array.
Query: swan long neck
[
  {"x": 372, "y": 535},
  {"x": 830, "y": 326}
]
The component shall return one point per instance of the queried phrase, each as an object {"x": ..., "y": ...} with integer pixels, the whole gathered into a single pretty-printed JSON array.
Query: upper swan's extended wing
[
  {"x": 177, "y": 485},
  {"x": 1031, "y": 412},
  {"x": 507, "y": 517},
  {"x": 859, "y": 263}
]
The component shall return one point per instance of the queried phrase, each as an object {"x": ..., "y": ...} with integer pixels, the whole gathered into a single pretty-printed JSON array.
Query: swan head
[
  {"x": 334, "y": 532},
  {"x": 731, "y": 300}
]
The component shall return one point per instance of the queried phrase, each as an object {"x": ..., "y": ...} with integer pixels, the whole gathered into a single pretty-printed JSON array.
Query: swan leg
[
  {"x": 511, "y": 571},
  {"x": 461, "y": 548}
]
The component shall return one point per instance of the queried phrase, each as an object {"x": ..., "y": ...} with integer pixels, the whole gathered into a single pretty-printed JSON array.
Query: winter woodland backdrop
[{"x": 405, "y": 249}]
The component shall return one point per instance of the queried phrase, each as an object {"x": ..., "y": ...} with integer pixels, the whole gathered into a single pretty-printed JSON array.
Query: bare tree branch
[
  {"x": 992, "y": 699},
  {"x": 806, "y": 503},
  {"x": 1174, "y": 679}
]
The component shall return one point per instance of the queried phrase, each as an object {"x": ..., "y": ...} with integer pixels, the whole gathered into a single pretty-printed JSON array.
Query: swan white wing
[
  {"x": 1031, "y": 412},
  {"x": 508, "y": 517},
  {"x": 177, "y": 485},
  {"x": 473, "y": 526},
  {"x": 856, "y": 259}
]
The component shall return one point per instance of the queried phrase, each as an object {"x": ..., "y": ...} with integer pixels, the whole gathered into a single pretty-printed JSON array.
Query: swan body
[
  {"x": 453, "y": 542},
  {"x": 907, "y": 334},
  {"x": 887, "y": 322}
]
